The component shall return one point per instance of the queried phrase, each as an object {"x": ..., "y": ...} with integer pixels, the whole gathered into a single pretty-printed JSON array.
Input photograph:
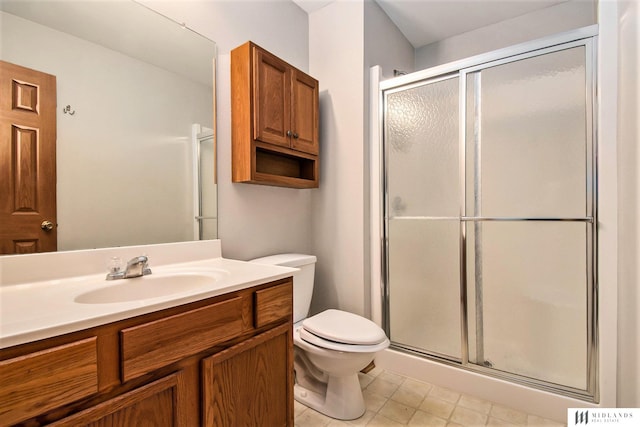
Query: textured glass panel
[
  {"x": 424, "y": 285},
  {"x": 528, "y": 155},
  {"x": 533, "y": 289},
  {"x": 422, "y": 150}
]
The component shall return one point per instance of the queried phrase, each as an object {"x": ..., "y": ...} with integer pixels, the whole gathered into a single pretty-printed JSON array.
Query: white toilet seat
[
  {"x": 317, "y": 341},
  {"x": 341, "y": 331},
  {"x": 343, "y": 327}
]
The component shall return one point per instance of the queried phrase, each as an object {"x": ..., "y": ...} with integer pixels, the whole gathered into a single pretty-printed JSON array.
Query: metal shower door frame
[{"x": 586, "y": 37}]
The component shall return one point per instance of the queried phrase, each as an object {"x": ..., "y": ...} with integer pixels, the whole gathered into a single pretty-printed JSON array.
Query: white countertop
[{"x": 41, "y": 309}]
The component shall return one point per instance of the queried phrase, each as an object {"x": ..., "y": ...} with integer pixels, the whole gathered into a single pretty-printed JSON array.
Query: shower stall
[
  {"x": 205, "y": 200},
  {"x": 489, "y": 177}
]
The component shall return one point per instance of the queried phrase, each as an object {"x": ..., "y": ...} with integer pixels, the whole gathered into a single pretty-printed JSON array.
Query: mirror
[{"x": 135, "y": 119}]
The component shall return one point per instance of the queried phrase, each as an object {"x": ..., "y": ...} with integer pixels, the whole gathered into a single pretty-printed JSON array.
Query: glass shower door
[
  {"x": 528, "y": 216},
  {"x": 423, "y": 209},
  {"x": 490, "y": 217}
]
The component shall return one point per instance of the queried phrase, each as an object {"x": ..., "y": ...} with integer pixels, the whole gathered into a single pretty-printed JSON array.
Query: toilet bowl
[
  {"x": 327, "y": 367},
  {"x": 330, "y": 348}
]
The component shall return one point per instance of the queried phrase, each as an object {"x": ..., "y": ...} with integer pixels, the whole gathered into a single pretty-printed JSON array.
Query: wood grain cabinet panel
[
  {"x": 274, "y": 120},
  {"x": 156, "y": 344},
  {"x": 242, "y": 386},
  {"x": 150, "y": 405},
  {"x": 304, "y": 113},
  {"x": 38, "y": 382},
  {"x": 273, "y": 304},
  {"x": 272, "y": 99}
]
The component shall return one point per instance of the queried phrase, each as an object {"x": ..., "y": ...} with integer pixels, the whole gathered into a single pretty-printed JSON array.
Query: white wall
[
  {"x": 345, "y": 39},
  {"x": 123, "y": 175},
  {"x": 336, "y": 43},
  {"x": 252, "y": 220},
  {"x": 384, "y": 44},
  {"x": 552, "y": 20},
  {"x": 628, "y": 205}
]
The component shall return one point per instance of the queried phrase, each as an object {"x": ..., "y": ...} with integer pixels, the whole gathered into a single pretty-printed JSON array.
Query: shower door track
[
  {"x": 582, "y": 37},
  {"x": 588, "y": 219}
]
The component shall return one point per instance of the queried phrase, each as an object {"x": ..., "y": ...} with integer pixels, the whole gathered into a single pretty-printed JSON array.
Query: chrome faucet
[{"x": 136, "y": 267}]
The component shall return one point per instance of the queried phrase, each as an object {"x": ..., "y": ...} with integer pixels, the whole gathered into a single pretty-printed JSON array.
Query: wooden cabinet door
[
  {"x": 304, "y": 113},
  {"x": 271, "y": 99},
  {"x": 150, "y": 405},
  {"x": 251, "y": 384}
]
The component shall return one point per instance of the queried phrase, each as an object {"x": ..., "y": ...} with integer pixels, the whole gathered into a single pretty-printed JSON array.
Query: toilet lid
[
  {"x": 303, "y": 339},
  {"x": 343, "y": 327}
]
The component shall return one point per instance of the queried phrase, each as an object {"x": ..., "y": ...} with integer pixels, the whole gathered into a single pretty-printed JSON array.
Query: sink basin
[{"x": 147, "y": 287}]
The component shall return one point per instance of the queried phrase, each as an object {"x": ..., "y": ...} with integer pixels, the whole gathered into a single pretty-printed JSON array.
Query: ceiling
[{"x": 425, "y": 21}]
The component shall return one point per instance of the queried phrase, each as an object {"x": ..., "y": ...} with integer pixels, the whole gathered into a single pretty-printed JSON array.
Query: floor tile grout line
[{"x": 401, "y": 380}]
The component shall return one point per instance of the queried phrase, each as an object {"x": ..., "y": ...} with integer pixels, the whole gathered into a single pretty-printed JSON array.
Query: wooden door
[
  {"x": 27, "y": 160},
  {"x": 304, "y": 113},
  {"x": 251, "y": 384},
  {"x": 271, "y": 99}
]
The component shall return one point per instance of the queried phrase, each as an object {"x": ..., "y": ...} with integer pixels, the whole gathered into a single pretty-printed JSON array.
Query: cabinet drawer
[
  {"x": 156, "y": 344},
  {"x": 41, "y": 381},
  {"x": 273, "y": 304}
]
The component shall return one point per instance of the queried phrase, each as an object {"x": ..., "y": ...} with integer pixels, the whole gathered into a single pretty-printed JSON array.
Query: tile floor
[{"x": 394, "y": 400}]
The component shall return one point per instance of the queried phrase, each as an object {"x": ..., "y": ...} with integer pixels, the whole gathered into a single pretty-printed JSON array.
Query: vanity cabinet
[
  {"x": 274, "y": 117},
  {"x": 223, "y": 361}
]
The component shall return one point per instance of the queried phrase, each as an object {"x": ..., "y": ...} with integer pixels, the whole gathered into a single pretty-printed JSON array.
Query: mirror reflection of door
[{"x": 27, "y": 160}]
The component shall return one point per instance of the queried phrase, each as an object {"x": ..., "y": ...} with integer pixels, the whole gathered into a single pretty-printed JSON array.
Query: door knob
[{"x": 46, "y": 225}]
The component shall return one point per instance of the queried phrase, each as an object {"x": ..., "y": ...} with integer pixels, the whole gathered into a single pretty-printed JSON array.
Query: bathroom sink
[{"x": 147, "y": 287}]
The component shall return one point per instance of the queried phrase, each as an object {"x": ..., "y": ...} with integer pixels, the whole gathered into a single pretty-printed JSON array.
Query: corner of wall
[
  {"x": 607, "y": 203},
  {"x": 628, "y": 387}
]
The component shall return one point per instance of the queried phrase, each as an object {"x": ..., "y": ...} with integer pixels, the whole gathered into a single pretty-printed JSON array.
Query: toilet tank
[{"x": 302, "y": 280}]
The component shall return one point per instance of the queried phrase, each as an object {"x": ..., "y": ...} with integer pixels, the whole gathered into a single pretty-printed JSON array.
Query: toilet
[{"x": 330, "y": 348}]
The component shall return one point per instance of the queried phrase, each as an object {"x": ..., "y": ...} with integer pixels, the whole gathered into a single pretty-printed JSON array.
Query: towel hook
[{"x": 68, "y": 110}]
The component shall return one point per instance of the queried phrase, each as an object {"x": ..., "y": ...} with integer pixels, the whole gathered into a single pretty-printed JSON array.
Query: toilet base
[{"x": 343, "y": 399}]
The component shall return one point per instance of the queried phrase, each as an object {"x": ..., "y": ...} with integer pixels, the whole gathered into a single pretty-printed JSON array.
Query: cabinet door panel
[
  {"x": 150, "y": 405},
  {"x": 304, "y": 113},
  {"x": 247, "y": 384},
  {"x": 272, "y": 99}
]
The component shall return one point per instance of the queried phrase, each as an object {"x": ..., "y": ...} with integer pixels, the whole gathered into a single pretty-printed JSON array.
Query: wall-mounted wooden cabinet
[{"x": 274, "y": 120}]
